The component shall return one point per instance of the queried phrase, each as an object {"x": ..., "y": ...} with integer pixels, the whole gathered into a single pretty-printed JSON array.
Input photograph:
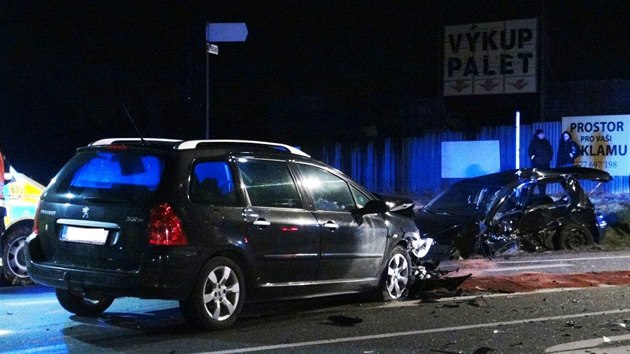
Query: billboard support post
[{"x": 518, "y": 140}]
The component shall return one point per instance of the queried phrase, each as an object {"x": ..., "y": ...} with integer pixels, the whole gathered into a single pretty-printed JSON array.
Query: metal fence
[{"x": 412, "y": 166}]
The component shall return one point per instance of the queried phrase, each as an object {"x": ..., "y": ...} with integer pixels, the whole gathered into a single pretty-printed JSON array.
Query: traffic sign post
[{"x": 220, "y": 32}]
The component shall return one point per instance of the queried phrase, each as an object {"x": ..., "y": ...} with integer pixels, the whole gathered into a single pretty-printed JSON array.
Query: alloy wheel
[
  {"x": 222, "y": 293},
  {"x": 397, "y": 276}
]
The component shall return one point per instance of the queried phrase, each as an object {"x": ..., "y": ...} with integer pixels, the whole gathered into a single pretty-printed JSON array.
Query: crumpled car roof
[{"x": 507, "y": 177}]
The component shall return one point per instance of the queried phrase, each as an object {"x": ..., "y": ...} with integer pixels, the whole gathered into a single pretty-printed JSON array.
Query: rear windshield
[{"x": 110, "y": 174}]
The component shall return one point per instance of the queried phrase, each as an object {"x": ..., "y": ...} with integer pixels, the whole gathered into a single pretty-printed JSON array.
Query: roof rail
[
  {"x": 192, "y": 144},
  {"x": 110, "y": 141}
]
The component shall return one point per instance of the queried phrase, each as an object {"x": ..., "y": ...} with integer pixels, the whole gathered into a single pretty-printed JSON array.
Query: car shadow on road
[
  {"x": 331, "y": 310},
  {"x": 170, "y": 320}
]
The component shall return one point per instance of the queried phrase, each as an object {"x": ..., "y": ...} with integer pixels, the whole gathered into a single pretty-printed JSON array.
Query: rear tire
[
  {"x": 396, "y": 277},
  {"x": 217, "y": 297},
  {"x": 573, "y": 237},
  {"x": 81, "y": 305},
  {"x": 14, "y": 256}
]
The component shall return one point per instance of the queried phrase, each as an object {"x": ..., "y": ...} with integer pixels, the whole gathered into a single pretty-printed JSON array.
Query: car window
[
  {"x": 556, "y": 193},
  {"x": 211, "y": 182},
  {"x": 269, "y": 183},
  {"x": 360, "y": 198},
  {"x": 110, "y": 175},
  {"x": 329, "y": 192},
  {"x": 465, "y": 199},
  {"x": 518, "y": 198}
]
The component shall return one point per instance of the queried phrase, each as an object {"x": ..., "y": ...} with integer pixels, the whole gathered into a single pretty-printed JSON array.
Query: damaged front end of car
[{"x": 426, "y": 272}]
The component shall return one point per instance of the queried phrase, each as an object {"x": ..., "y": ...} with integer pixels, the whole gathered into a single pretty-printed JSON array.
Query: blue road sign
[{"x": 226, "y": 32}]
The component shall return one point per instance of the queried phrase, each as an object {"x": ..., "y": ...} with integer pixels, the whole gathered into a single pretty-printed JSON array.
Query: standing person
[
  {"x": 568, "y": 150},
  {"x": 540, "y": 151}
]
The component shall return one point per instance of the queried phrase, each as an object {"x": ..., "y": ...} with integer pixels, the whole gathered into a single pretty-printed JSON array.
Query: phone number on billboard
[{"x": 599, "y": 164}]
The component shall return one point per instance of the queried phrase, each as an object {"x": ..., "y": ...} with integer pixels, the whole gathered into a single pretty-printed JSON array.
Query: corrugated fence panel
[
  {"x": 413, "y": 166},
  {"x": 387, "y": 167}
]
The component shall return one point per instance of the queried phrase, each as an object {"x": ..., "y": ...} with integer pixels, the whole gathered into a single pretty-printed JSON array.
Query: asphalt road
[
  {"x": 593, "y": 320},
  {"x": 546, "y": 262}
]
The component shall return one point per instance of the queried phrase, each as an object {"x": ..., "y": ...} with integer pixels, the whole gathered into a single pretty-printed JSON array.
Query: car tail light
[
  {"x": 166, "y": 227},
  {"x": 36, "y": 219}
]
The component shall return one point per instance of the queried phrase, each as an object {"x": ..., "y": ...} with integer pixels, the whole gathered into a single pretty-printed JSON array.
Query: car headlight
[{"x": 418, "y": 246}]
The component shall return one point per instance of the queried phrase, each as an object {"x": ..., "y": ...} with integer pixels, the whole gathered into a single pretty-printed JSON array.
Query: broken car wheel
[{"x": 573, "y": 237}]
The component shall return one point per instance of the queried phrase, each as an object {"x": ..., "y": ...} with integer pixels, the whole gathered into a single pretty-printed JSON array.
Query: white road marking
[
  {"x": 563, "y": 260},
  {"x": 589, "y": 344},
  {"x": 418, "y": 332},
  {"x": 539, "y": 291},
  {"x": 505, "y": 269}
]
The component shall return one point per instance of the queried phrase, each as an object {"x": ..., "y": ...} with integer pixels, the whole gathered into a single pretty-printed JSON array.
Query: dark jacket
[
  {"x": 540, "y": 152},
  {"x": 568, "y": 151}
]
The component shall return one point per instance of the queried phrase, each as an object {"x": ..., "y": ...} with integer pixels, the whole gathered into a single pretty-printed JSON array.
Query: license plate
[{"x": 95, "y": 236}]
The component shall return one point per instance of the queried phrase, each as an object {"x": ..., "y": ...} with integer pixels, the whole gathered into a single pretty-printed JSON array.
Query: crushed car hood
[
  {"x": 401, "y": 205},
  {"x": 442, "y": 226}
]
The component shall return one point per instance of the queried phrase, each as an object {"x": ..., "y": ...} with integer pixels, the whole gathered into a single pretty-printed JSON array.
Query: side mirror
[
  {"x": 374, "y": 207},
  {"x": 8, "y": 176}
]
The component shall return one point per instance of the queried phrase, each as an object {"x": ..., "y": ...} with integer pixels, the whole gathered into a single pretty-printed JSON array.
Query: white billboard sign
[
  {"x": 490, "y": 58},
  {"x": 603, "y": 141},
  {"x": 465, "y": 159}
]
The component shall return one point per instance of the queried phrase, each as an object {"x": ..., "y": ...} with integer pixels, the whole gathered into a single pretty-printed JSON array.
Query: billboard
[
  {"x": 490, "y": 58},
  {"x": 465, "y": 159},
  {"x": 603, "y": 141}
]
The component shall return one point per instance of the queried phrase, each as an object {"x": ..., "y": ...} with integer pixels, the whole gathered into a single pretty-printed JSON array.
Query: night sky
[{"x": 309, "y": 70}]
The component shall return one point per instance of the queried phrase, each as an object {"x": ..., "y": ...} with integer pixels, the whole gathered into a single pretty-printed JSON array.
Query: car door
[
  {"x": 284, "y": 236},
  {"x": 545, "y": 210},
  {"x": 352, "y": 246}
]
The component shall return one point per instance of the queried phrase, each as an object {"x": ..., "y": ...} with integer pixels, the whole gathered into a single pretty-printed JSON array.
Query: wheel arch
[
  {"x": 238, "y": 256},
  {"x": 401, "y": 241}
]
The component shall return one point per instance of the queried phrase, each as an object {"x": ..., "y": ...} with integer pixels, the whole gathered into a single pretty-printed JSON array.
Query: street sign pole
[
  {"x": 219, "y": 32},
  {"x": 207, "y": 94}
]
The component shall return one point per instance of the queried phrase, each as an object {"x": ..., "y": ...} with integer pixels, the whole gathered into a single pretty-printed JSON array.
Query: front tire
[
  {"x": 217, "y": 297},
  {"x": 14, "y": 257},
  {"x": 81, "y": 305},
  {"x": 396, "y": 278}
]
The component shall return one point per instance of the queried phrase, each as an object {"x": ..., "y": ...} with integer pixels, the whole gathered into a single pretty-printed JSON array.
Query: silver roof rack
[
  {"x": 110, "y": 141},
  {"x": 192, "y": 144}
]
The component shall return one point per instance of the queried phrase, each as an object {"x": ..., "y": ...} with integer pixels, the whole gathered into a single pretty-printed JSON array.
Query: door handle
[
  {"x": 261, "y": 222},
  {"x": 331, "y": 225}
]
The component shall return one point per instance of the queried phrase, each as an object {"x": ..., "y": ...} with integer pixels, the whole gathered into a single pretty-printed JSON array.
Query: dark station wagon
[{"x": 213, "y": 224}]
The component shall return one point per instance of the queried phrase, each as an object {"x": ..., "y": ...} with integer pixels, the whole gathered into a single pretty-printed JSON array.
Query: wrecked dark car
[{"x": 505, "y": 212}]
